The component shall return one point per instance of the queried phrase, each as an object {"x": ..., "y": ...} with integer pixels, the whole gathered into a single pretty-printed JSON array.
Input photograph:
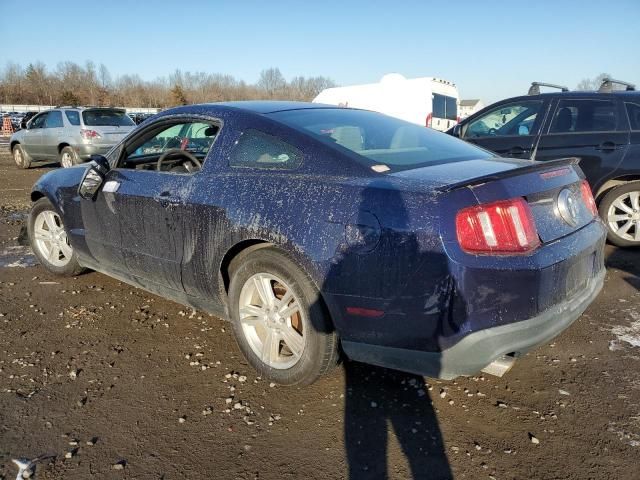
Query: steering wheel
[
  {"x": 492, "y": 131},
  {"x": 176, "y": 151}
]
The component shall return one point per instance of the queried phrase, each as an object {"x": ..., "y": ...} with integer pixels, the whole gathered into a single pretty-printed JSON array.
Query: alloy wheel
[
  {"x": 623, "y": 216},
  {"x": 51, "y": 239},
  {"x": 272, "y": 320}
]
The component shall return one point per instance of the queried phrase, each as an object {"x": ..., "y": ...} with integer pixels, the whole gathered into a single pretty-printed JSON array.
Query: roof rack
[
  {"x": 607, "y": 85},
  {"x": 534, "y": 89}
]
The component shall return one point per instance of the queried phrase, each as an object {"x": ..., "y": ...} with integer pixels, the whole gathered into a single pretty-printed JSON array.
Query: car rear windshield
[
  {"x": 103, "y": 118},
  {"x": 445, "y": 107},
  {"x": 381, "y": 142}
]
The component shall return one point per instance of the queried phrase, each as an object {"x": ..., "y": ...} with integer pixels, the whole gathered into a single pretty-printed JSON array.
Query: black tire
[
  {"x": 320, "y": 352},
  {"x": 72, "y": 266},
  {"x": 603, "y": 209},
  {"x": 68, "y": 152},
  {"x": 22, "y": 159}
]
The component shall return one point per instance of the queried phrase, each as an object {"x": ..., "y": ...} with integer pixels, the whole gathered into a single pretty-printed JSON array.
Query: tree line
[{"x": 73, "y": 84}]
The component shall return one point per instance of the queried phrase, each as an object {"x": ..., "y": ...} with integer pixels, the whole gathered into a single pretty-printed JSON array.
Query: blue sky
[{"x": 490, "y": 49}]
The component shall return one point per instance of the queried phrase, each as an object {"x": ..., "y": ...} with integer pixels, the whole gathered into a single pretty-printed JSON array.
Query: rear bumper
[
  {"x": 85, "y": 151},
  {"x": 478, "y": 349}
]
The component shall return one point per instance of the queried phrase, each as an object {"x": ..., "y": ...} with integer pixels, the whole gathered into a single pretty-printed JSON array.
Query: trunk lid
[{"x": 541, "y": 184}]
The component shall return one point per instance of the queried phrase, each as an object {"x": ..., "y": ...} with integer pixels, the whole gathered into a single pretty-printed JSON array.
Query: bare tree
[
  {"x": 271, "y": 82},
  {"x": 71, "y": 83},
  {"x": 592, "y": 83}
]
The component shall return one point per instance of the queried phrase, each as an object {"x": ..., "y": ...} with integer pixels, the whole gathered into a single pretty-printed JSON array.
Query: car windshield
[
  {"x": 102, "y": 118},
  {"x": 384, "y": 143}
]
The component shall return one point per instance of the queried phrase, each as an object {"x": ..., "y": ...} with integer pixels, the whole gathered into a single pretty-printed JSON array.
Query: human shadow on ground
[{"x": 380, "y": 403}]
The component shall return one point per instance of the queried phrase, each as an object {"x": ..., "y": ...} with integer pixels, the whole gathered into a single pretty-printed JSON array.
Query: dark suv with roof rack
[{"x": 601, "y": 128}]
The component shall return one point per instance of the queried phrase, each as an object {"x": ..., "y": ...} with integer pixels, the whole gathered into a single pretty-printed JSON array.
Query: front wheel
[
  {"x": 279, "y": 320},
  {"x": 620, "y": 211},
  {"x": 20, "y": 157},
  {"x": 49, "y": 240}
]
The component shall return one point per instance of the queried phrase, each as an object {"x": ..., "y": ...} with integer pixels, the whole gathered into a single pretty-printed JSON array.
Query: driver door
[
  {"x": 32, "y": 139},
  {"x": 150, "y": 202},
  {"x": 510, "y": 130}
]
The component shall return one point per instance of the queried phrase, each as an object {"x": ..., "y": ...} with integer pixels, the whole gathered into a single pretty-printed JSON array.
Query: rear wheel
[
  {"x": 20, "y": 157},
  {"x": 49, "y": 240},
  {"x": 68, "y": 157},
  {"x": 279, "y": 320},
  {"x": 620, "y": 211}
]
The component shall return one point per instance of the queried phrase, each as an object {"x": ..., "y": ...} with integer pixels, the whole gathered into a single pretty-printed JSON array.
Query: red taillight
[
  {"x": 587, "y": 196},
  {"x": 89, "y": 134},
  {"x": 429, "y": 120},
  {"x": 497, "y": 228}
]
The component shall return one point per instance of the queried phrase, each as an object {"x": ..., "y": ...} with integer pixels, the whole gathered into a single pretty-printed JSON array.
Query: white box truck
[{"x": 427, "y": 101}]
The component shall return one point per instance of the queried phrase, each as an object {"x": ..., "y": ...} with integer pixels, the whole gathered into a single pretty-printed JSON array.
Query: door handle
[
  {"x": 607, "y": 147},
  {"x": 166, "y": 200}
]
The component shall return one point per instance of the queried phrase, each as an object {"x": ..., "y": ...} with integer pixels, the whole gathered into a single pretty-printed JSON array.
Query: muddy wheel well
[
  {"x": 35, "y": 196},
  {"x": 234, "y": 254},
  {"x": 13, "y": 144},
  {"x": 61, "y": 146},
  {"x": 614, "y": 182}
]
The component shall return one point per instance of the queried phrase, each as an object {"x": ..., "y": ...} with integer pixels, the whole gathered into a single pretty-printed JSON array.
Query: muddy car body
[{"x": 343, "y": 227}]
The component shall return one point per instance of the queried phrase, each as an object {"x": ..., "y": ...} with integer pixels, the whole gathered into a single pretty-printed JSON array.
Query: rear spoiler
[{"x": 534, "y": 167}]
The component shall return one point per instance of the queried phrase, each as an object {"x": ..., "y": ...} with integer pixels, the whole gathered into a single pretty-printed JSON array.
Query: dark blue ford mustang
[{"x": 317, "y": 229}]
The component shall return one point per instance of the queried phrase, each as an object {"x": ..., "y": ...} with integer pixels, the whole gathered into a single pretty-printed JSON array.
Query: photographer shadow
[{"x": 383, "y": 406}]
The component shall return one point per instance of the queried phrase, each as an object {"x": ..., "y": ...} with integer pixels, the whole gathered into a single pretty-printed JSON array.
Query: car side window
[
  {"x": 38, "y": 121},
  {"x": 255, "y": 149},
  {"x": 633, "y": 110},
  {"x": 517, "y": 118},
  {"x": 73, "y": 117},
  {"x": 581, "y": 116},
  {"x": 54, "y": 119},
  {"x": 174, "y": 145}
]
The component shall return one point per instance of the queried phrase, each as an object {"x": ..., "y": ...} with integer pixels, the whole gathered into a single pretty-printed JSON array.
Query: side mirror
[
  {"x": 94, "y": 177},
  {"x": 523, "y": 130},
  {"x": 457, "y": 130},
  {"x": 23, "y": 125}
]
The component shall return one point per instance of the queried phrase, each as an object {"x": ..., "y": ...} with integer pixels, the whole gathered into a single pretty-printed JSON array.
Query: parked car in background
[
  {"x": 426, "y": 101},
  {"x": 25, "y": 119},
  {"x": 600, "y": 128},
  {"x": 69, "y": 135},
  {"x": 413, "y": 250}
]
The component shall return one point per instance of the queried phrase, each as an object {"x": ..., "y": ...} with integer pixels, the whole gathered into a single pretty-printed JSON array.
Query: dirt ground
[{"x": 105, "y": 381}]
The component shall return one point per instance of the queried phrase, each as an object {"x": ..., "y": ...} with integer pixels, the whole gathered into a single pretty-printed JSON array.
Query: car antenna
[
  {"x": 534, "y": 89},
  {"x": 607, "y": 85}
]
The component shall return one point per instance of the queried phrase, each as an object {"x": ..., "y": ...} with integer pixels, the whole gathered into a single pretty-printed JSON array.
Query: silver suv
[{"x": 69, "y": 135}]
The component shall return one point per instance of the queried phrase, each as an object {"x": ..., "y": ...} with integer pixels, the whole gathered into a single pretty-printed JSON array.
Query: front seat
[
  {"x": 349, "y": 137},
  {"x": 405, "y": 137},
  {"x": 564, "y": 120}
]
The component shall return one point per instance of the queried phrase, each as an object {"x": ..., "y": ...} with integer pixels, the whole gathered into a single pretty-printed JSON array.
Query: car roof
[
  {"x": 270, "y": 106},
  {"x": 583, "y": 93}
]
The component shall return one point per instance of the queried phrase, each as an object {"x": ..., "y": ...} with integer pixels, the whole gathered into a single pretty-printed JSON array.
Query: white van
[{"x": 428, "y": 101}]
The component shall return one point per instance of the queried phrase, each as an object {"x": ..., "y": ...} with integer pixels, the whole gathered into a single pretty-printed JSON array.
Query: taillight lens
[
  {"x": 587, "y": 196},
  {"x": 502, "y": 227},
  {"x": 429, "y": 120},
  {"x": 89, "y": 134}
]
